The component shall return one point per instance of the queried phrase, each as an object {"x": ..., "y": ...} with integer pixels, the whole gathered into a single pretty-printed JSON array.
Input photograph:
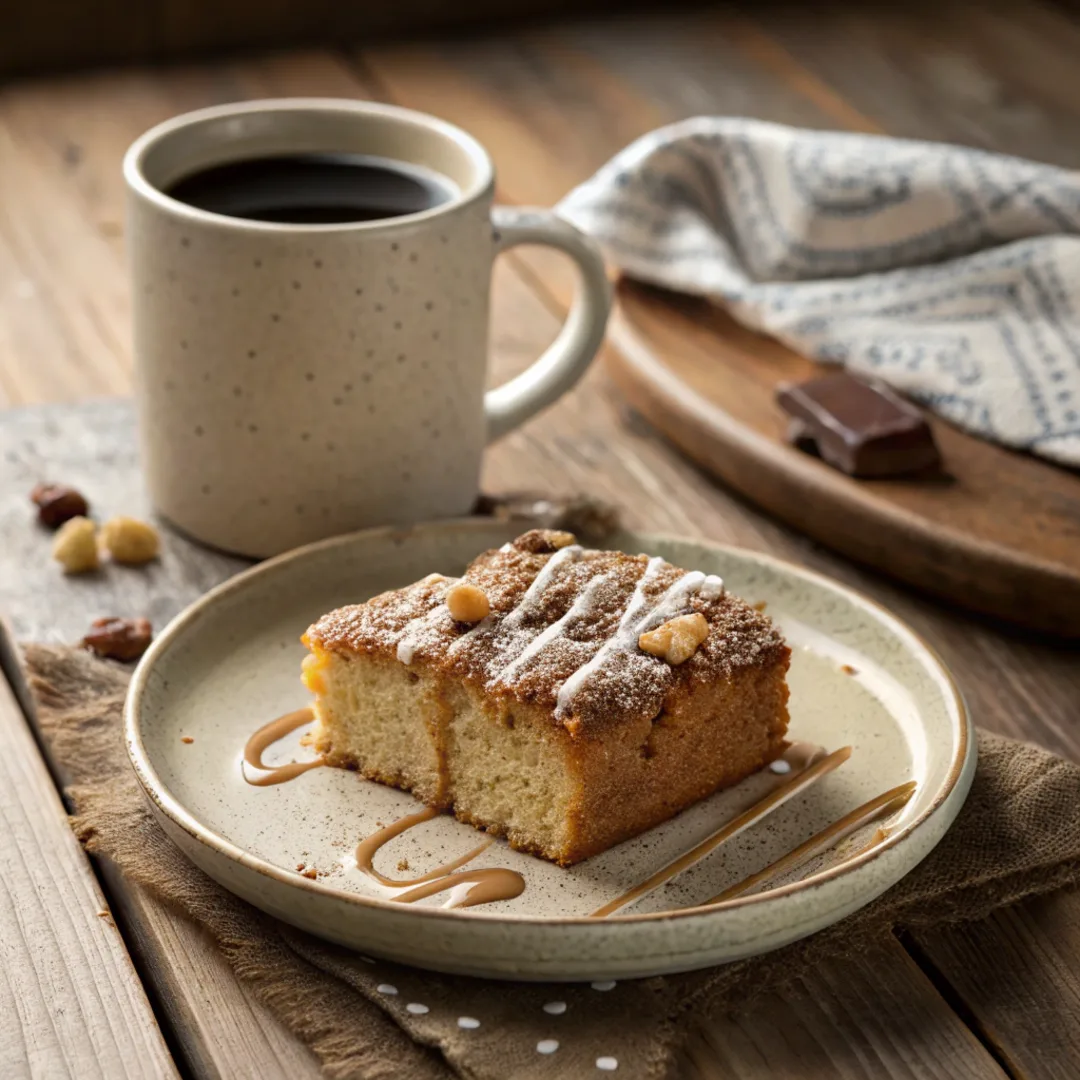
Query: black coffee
[{"x": 312, "y": 189}]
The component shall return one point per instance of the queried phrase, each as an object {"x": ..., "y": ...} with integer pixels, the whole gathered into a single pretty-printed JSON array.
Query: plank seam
[{"x": 955, "y": 1000}]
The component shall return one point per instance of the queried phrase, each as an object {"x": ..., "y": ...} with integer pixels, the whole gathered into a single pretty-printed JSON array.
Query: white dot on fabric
[
  {"x": 386, "y": 988},
  {"x": 780, "y": 766},
  {"x": 607, "y": 984},
  {"x": 468, "y": 1022},
  {"x": 416, "y": 1008},
  {"x": 555, "y": 1008},
  {"x": 607, "y": 1064},
  {"x": 547, "y": 1046}
]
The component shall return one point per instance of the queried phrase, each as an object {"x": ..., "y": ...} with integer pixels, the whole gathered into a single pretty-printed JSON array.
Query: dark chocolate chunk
[{"x": 859, "y": 426}]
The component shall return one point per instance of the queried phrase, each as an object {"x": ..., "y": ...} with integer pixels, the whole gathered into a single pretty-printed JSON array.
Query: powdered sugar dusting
[
  {"x": 581, "y": 607},
  {"x": 633, "y": 612},
  {"x": 536, "y": 590},
  {"x": 426, "y": 630}
]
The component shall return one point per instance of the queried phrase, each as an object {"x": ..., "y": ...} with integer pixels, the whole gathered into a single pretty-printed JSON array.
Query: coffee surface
[{"x": 314, "y": 189}]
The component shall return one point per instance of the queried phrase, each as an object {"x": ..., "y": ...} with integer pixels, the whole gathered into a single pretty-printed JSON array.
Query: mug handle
[{"x": 565, "y": 360}]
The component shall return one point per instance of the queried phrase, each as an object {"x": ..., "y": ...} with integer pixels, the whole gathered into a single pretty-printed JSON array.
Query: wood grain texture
[
  {"x": 93, "y": 448},
  {"x": 218, "y": 1027},
  {"x": 123, "y": 31},
  {"x": 998, "y": 76},
  {"x": 1005, "y": 969},
  {"x": 846, "y": 1023},
  {"x": 71, "y": 1004}
]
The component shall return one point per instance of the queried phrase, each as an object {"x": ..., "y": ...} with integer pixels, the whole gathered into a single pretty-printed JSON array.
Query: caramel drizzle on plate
[
  {"x": 775, "y": 799},
  {"x": 874, "y": 809},
  {"x": 805, "y": 763},
  {"x": 484, "y": 886},
  {"x": 265, "y": 737}
]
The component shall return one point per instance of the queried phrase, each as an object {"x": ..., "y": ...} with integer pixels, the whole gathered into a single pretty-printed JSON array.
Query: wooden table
[{"x": 82, "y": 997}]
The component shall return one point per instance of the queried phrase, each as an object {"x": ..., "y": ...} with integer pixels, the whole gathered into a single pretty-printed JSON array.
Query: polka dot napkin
[
  {"x": 1018, "y": 835},
  {"x": 951, "y": 273}
]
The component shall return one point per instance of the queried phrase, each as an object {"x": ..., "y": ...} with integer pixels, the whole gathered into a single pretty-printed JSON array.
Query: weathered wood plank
[
  {"x": 1017, "y": 975},
  {"x": 216, "y": 1024},
  {"x": 848, "y": 1022},
  {"x": 998, "y": 76},
  {"x": 93, "y": 448},
  {"x": 71, "y": 1004}
]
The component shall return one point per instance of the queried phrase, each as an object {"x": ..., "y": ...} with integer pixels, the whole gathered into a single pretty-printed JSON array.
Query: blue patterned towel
[{"x": 951, "y": 273}]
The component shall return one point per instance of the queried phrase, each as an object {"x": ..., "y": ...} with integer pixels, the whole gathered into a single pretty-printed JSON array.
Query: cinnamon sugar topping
[{"x": 562, "y": 630}]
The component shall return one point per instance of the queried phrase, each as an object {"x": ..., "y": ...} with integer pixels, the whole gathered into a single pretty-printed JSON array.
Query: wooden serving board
[{"x": 998, "y": 533}]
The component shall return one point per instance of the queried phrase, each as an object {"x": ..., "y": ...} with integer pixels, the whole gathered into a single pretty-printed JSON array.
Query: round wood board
[{"x": 998, "y": 532}]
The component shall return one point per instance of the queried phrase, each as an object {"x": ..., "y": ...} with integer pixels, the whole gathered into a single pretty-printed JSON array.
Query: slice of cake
[{"x": 564, "y": 698}]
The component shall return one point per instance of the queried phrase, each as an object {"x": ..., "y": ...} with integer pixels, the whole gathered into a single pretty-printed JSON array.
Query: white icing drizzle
[
  {"x": 712, "y": 588},
  {"x": 541, "y": 581},
  {"x": 631, "y": 626},
  {"x": 579, "y": 607},
  {"x": 567, "y": 554},
  {"x": 413, "y": 633}
]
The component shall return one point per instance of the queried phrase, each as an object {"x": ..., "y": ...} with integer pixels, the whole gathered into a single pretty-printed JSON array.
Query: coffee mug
[{"x": 295, "y": 381}]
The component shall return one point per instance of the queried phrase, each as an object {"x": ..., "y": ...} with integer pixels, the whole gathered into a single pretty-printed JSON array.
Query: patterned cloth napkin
[
  {"x": 951, "y": 273},
  {"x": 1017, "y": 835}
]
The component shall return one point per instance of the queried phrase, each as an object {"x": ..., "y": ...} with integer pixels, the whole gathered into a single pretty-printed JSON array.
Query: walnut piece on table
[
  {"x": 58, "y": 503},
  {"x": 119, "y": 639}
]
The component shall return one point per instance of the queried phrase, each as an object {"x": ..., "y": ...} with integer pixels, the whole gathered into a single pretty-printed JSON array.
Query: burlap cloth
[{"x": 1018, "y": 835}]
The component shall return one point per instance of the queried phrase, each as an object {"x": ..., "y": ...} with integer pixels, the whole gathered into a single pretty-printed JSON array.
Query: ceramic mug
[{"x": 298, "y": 381}]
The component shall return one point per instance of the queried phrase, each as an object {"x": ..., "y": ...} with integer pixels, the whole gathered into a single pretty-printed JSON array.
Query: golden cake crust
[{"x": 556, "y": 610}]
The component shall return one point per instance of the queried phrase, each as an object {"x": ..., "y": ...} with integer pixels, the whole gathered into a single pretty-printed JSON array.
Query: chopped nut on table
[
  {"x": 58, "y": 503},
  {"x": 119, "y": 639},
  {"x": 75, "y": 547},
  {"x": 130, "y": 541},
  {"x": 676, "y": 640}
]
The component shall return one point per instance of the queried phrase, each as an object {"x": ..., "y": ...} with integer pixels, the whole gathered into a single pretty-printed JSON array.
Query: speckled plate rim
[{"x": 956, "y": 782}]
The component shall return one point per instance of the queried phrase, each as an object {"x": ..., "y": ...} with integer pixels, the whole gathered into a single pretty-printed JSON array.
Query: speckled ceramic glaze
[
  {"x": 231, "y": 662},
  {"x": 299, "y": 381}
]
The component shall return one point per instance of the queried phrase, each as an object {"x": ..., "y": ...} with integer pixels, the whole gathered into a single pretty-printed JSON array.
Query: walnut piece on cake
[{"x": 545, "y": 721}]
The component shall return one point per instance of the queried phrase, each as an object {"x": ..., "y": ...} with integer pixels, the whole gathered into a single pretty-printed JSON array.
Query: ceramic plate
[{"x": 231, "y": 662}]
